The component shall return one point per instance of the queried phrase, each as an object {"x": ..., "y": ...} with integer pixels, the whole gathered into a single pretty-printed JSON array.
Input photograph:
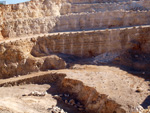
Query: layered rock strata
[
  {"x": 44, "y": 16},
  {"x": 28, "y": 55}
]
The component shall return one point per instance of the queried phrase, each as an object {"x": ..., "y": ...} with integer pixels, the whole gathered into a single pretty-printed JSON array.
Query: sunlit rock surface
[{"x": 93, "y": 55}]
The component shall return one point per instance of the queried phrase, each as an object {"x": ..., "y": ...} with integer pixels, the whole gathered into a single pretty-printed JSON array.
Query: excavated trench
[{"x": 90, "y": 99}]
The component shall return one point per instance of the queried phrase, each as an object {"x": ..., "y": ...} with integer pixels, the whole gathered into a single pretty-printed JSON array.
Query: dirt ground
[
  {"x": 127, "y": 89},
  {"x": 12, "y": 100}
]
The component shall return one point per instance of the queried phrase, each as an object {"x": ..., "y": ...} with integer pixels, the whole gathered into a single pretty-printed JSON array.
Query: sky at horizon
[{"x": 14, "y": 1}]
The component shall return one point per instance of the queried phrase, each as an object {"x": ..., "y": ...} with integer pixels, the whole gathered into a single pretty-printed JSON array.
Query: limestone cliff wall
[
  {"x": 36, "y": 16},
  {"x": 145, "y": 3},
  {"x": 94, "y": 1},
  {"x": 29, "y": 55},
  {"x": 110, "y": 6},
  {"x": 87, "y": 44},
  {"x": 45, "y": 16},
  {"x": 96, "y": 20}
]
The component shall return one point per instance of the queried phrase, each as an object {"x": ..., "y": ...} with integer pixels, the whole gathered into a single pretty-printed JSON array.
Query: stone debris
[
  {"x": 80, "y": 109},
  {"x": 60, "y": 95},
  {"x": 72, "y": 102},
  {"x": 35, "y": 93},
  {"x": 75, "y": 104},
  {"x": 140, "y": 109},
  {"x": 57, "y": 97},
  {"x": 106, "y": 57},
  {"x": 138, "y": 90},
  {"x": 67, "y": 100},
  {"x": 56, "y": 109},
  {"x": 66, "y": 95}
]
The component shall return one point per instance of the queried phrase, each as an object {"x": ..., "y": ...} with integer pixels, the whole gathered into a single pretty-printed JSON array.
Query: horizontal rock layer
[
  {"x": 101, "y": 20},
  {"x": 28, "y": 55},
  {"x": 45, "y": 16}
]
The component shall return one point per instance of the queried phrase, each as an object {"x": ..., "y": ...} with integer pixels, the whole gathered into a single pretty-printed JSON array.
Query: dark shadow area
[
  {"x": 133, "y": 60},
  {"x": 55, "y": 90},
  {"x": 146, "y": 102}
]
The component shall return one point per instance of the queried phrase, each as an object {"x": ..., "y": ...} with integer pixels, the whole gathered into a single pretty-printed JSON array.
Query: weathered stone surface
[
  {"x": 28, "y": 47},
  {"x": 28, "y": 55},
  {"x": 45, "y": 16},
  {"x": 33, "y": 17},
  {"x": 17, "y": 60},
  {"x": 53, "y": 62}
]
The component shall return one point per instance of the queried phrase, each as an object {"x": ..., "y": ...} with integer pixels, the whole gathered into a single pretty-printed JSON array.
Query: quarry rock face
[
  {"x": 29, "y": 18},
  {"x": 16, "y": 60},
  {"x": 90, "y": 56}
]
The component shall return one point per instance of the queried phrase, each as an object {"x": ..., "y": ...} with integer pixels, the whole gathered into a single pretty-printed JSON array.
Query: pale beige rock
[
  {"x": 26, "y": 46},
  {"x": 53, "y": 62},
  {"x": 45, "y": 16}
]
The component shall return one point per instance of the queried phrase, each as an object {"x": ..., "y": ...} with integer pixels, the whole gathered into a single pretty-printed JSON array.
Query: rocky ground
[
  {"x": 30, "y": 99},
  {"x": 75, "y": 56},
  {"x": 125, "y": 88}
]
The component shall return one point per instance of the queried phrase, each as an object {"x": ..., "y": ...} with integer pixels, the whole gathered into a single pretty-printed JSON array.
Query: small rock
[
  {"x": 36, "y": 93},
  {"x": 72, "y": 102},
  {"x": 139, "y": 90},
  {"x": 139, "y": 108},
  {"x": 53, "y": 106},
  {"x": 80, "y": 106},
  {"x": 60, "y": 95},
  {"x": 56, "y": 109},
  {"x": 66, "y": 95},
  {"x": 24, "y": 95},
  {"x": 62, "y": 111},
  {"x": 66, "y": 101},
  {"x": 80, "y": 109},
  {"x": 45, "y": 93},
  {"x": 57, "y": 97},
  {"x": 78, "y": 103},
  {"x": 75, "y": 106}
]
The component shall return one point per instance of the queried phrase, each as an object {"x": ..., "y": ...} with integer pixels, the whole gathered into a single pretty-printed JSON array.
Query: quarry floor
[
  {"x": 125, "y": 88},
  {"x": 17, "y": 103}
]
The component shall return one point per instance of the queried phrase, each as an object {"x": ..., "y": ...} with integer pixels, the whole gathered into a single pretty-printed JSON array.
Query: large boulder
[{"x": 53, "y": 62}]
